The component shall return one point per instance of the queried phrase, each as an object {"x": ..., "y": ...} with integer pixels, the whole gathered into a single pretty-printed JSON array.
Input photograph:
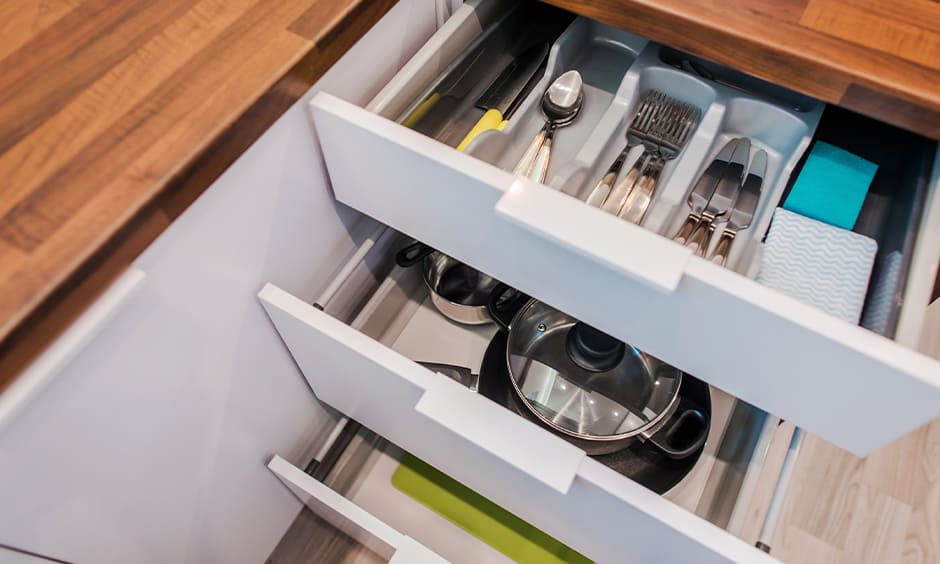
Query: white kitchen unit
[{"x": 145, "y": 434}]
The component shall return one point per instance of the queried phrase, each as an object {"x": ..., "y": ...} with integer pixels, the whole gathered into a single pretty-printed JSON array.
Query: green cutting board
[{"x": 479, "y": 516}]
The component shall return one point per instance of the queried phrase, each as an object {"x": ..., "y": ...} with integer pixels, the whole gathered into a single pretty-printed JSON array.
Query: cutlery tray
[{"x": 618, "y": 67}]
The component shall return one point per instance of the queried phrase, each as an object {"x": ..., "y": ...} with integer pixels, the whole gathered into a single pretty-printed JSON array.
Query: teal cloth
[{"x": 832, "y": 186}]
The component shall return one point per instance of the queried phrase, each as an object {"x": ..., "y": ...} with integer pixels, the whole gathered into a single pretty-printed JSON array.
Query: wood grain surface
[
  {"x": 841, "y": 509},
  {"x": 878, "y": 58},
  {"x": 116, "y": 114}
]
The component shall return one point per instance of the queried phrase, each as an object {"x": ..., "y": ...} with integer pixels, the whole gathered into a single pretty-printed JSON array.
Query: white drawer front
[
  {"x": 844, "y": 383},
  {"x": 536, "y": 475},
  {"x": 350, "y": 518}
]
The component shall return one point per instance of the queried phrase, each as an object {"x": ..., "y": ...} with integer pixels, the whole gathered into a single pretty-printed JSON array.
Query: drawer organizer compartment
[
  {"x": 633, "y": 282},
  {"x": 366, "y": 369}
]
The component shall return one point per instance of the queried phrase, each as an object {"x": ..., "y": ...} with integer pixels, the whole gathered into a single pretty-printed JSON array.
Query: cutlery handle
[
  {"x": 524, "y": 166},
  {"x": 492, "y": 119},
  {"x": 602, "y": 189},
  {"x": 698, "y": 241},
  {"x": 638, "y": 202},
  {"x": 542, "y": 158},
  {"x": 723, "y": 249},
  {"x": 688, "y": 226},
  {"x": 618, "y": 195}
]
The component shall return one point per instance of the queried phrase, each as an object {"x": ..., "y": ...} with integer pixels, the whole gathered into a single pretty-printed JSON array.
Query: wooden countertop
[
  {"x": 116, "y": 114},
  {"x": 878, "y": 58}
]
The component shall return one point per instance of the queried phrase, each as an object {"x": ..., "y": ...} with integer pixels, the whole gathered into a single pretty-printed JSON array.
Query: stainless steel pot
[
  {"x": 596, "y": 391},
  {"x": 458, "y": 291}
]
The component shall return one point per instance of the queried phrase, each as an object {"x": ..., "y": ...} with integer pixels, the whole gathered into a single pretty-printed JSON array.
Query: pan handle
[
  {"x": 503, "y": 303},
  {"x": 412, "y": 254},
  {"x": 682, "y": 435}
]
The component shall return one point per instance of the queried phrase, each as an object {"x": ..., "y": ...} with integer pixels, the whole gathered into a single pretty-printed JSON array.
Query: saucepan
[
  {"x": 458, "y": 291},
  {"x": 595, "y": 391}
]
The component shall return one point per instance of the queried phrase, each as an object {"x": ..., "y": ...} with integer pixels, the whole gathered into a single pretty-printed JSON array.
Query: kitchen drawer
[
  {"x": 351, "y": 519},
  {"x": 821, "y": 373},
  {"x": 366, "y": 369}
]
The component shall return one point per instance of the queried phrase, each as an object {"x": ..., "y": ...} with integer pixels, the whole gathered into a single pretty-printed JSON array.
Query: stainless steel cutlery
[
  {"x": 723, "y": 193},
  {"x": 744, "y": 207},
  {"x": 722, "y": 198},
  {"x": 663, "y": 125}
]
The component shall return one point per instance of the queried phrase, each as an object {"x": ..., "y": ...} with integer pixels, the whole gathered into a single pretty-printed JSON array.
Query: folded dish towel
[
  {"x": 831, "y": 186},
  {"x": 818, "y": 264}
]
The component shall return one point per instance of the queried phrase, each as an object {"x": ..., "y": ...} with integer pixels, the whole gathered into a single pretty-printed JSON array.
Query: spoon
[{"x": 560, "y": 104}]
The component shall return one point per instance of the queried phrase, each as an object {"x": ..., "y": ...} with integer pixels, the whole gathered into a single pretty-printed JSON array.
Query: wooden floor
[{"x": 881, "y": 509}]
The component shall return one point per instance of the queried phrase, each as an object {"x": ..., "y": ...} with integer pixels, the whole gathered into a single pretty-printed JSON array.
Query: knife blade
[
  {"x": 746, "y": 203},
  {"x": 703, "y": 190},
  {"x": 724, "y": 195},
  {"x": 744, "y": 207},
  {"x": 508, "y": 90}
]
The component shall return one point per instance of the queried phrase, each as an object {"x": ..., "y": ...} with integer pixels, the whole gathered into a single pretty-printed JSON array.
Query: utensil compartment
[
  {"x": 369, "y": 374},
  {"x": 602, "y": 55}
]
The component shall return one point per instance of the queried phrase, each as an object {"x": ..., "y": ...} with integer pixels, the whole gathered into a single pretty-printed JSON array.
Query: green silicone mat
[{"x": 479, "y": 516}]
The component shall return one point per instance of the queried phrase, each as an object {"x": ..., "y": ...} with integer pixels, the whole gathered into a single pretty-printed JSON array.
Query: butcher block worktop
[{"x": 117, "y": 114}]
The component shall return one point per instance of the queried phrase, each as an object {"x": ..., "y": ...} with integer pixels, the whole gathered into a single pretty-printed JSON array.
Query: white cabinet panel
[{"x": 150, "y": 444}]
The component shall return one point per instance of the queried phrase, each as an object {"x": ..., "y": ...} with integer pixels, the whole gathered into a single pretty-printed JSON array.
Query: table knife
[
  {"x": 703, "y": 189},
  {"x": 744, "y": 207},
  {"x": 723, "y": 197}
]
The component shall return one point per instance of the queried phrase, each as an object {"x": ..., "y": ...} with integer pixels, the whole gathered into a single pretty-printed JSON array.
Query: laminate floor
[{"x": 882, "y": 509}]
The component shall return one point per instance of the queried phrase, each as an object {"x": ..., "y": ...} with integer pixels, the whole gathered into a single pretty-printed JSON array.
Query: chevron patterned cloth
[{"x": 817, "y": 263}]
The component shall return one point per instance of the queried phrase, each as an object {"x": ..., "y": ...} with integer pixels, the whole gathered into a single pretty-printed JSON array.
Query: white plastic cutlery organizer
[{"x": 632, "y": 281}]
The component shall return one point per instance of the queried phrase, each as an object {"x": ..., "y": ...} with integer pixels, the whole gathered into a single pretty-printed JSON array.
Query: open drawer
[
  {"x": 367, "y": 370},
  {"x": 847, "y": 384},
  {"x": 351, "y": 519}
]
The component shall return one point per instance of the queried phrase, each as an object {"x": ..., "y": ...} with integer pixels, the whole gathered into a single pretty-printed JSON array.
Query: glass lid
[{"x": 583, "y": 381}]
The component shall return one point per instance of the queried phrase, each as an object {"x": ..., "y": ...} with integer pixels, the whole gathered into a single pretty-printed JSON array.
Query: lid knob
[{"x": 593, "y": 350}]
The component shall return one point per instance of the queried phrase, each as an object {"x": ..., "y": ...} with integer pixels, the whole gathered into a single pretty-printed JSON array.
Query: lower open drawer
[{"x": 367, "y": 370}]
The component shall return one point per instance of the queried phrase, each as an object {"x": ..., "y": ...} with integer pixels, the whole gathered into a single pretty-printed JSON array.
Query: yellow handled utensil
[
  {"x": 507, "y": 92},
  {"x": 492, "y": 119}
]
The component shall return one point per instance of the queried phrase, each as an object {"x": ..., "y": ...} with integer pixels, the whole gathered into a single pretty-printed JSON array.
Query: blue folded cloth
[{"x": 832, "y": 186}]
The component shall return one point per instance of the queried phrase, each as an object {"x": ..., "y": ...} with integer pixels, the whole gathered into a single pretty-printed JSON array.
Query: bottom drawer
[
  {"x": 347, "y": 519},
  {"x": 367, "y": 370}
]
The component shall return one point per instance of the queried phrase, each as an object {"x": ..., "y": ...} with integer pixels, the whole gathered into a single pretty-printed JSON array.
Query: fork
[
  {"x": 663, "y": 125},
  {"x": 674, "y": 123},
  {"x": 639, "y": 124}
]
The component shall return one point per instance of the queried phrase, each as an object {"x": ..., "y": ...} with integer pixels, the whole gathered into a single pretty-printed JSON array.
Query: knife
[
  {"x": 433, "y": 113},
  {"x": 723, "y": 197},
  {"x": 507, "y": 92},
  {"x": 744, "y": 207},
  {"x": 703, "y": 189}
]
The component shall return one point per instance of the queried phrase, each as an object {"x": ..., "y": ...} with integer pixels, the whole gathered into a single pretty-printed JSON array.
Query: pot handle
[
  {"x": 412, "y": 254},
  {"x": 503, "y": 303},
  {"x": 682, "y": 435}
]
